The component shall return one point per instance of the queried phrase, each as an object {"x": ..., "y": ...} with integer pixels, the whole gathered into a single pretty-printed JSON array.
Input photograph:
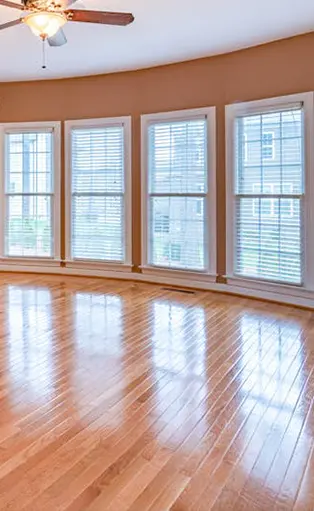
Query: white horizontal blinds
[
  {"x": 269, "y": 195},
  {"x": 29, "y": 194},
  {"x": 177, "y": 189},
  {"x": 98, "y": 193}
]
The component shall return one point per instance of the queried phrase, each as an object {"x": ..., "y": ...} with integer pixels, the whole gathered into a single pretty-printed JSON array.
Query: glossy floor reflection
[{"x": 117, "y": 396}]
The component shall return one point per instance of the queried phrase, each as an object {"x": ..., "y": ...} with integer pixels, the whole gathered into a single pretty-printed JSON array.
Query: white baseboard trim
[{"x": 306, "y": 301}]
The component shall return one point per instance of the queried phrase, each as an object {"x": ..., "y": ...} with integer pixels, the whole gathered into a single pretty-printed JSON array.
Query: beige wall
[{"x": 274, "y": 69}]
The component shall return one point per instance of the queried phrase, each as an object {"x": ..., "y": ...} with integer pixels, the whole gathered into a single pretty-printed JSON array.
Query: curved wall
[{"x": 282, "y": 67}]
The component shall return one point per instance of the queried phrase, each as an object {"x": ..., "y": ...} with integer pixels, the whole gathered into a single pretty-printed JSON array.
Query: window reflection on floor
[
  {"x": 276, "y": 348},
  {"x": 98, "y": 322},
  {"x": 272, "y": 379},
  {"x": 31, "y": 360},
  {"x": 178, "y": 355},
  {"x": 176, "y": 328},
  {"x": 98, "y": 345}
]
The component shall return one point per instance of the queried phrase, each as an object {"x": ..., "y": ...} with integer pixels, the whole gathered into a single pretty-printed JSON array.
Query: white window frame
[
  {"x": 263, "y": 106},
  {"x": 210, "y": 203},
  {"x": 124, "y": 121},
  {"x": 27, "y": 127}
]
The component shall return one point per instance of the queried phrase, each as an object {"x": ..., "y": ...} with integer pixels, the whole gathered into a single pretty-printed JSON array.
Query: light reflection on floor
[
  {"x": 30, "y": 343},
  {"x": 189, "y": 378},
  {"x": 272, "y": 382}
]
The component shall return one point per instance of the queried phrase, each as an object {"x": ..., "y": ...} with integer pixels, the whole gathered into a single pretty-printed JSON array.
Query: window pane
[
  {"x": 269, "y": 163},
  {"x": 97, "y": 228},
  {"x": 269, "y": 239},
  {"x": 285, "y": 168},
  {"x": 177, "y": 157},
  {"x": 98, "y": 193},
  {"x": 28, "y": 172},
  {"x": 177, "y": 232},
  {"x": 177, "y": 188},
  {"x": 29, "y": 163},
  {"x": 28, "y": 228},
  {"x": 97, "y": 160}
]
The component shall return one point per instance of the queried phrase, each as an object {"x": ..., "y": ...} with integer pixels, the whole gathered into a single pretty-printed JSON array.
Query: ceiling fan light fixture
[{"x": 44, "y": 23}]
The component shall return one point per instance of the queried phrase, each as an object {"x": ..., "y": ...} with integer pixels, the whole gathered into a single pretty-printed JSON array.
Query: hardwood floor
[{"x": 117, "y": 396}]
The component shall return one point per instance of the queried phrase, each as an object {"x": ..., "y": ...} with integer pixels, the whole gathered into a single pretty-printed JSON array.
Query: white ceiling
[{"x": 164, "y": 31}]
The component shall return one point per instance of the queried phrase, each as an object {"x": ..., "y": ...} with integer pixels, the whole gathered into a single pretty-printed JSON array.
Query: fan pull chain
[{"x": 44, "y": 53}]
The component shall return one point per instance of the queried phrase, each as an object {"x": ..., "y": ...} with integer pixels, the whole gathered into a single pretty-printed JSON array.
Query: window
[
  {"x": 31, "y": 198},
  {"x": 172, "y": 252},
  {"x": 269, "y": 203},
  {"x": 178, "y": 175},
  {"x": 199, "y": 208},
  {"x": 99, "y": 223},
  {"x": 245, "y": 147},
  {"x": 161, "y": 223},
  {"x": 263, "y": 148},
  {"x": 268, "y": 145}
]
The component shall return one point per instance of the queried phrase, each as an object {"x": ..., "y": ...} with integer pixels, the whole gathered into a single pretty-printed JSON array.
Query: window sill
[
  {"x": 29, "y": 261},
  {"x": 112, "y": 271},
  {"x": 188, "y": 276},
  {"x": 97, "y": 265}
]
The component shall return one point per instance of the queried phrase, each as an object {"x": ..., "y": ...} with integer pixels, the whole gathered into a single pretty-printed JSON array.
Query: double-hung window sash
[
  {"x": 177, "y": 193},
  {"x": 269, "y": 195}
]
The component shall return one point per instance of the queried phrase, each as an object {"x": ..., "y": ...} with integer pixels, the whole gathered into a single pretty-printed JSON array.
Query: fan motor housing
[{"x": 41, "y": 5}]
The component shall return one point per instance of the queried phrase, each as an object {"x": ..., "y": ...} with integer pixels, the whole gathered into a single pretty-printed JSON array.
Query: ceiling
[{"x": 164, "y": 31}]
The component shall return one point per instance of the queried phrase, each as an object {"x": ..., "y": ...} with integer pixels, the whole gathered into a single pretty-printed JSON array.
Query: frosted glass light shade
[{"x": 44, "y": 23}]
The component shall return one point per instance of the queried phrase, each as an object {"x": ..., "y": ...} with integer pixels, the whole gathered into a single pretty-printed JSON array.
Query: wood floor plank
[
  {"x": 118, "y": 396},
  {"x": 256, "y": 460},
  {"x": 237, "y": 479},
  {"x": 222, "y": 438}
]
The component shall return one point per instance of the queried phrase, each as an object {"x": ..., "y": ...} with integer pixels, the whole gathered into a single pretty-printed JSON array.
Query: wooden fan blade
[
  {"x": 6, "y": 3},
  {"x": 106, "y": 18},
  {"x": 59, "y": 39},
  {"x": 10, "y": 24}
]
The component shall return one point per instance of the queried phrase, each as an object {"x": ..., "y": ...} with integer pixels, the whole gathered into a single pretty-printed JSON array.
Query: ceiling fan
[{"x": 47, "y": 17}]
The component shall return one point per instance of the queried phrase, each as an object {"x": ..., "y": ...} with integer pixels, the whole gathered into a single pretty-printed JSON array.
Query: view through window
[
  {"x": 29, "y": 194},
  {"x": 178, "y": 190},
  {"x": 269, "y": 195}
]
